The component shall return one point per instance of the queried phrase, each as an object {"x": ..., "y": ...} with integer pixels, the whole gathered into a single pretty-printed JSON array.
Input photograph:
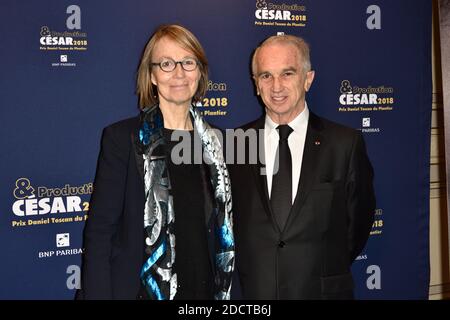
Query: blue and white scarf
[{"x": 157, "y": 276}]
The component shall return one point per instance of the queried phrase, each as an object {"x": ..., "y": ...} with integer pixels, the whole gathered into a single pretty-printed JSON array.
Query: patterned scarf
[{"x": 157, "y": 276}]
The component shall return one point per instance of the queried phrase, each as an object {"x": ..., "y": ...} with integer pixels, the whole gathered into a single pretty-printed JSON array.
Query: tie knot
[{"x": 284, "y": 131}]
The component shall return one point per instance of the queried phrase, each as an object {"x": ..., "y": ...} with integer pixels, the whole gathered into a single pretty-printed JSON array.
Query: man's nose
[{"x": 277, "y": 85}]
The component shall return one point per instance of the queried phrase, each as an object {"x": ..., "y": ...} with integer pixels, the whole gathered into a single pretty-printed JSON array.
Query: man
[{"x": 300, "y": 225}]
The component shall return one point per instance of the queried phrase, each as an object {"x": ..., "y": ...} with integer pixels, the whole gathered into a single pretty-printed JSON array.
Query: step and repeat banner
[{"x": 68, "y": 69}]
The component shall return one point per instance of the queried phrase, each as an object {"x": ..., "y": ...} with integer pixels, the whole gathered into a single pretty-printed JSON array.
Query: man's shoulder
[
  {"x": 331, "y": 127},
  {"x": 317, "y": 122}
]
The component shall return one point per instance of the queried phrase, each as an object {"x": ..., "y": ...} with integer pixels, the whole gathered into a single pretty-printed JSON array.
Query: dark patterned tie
[{"x": 281, "y": 194}]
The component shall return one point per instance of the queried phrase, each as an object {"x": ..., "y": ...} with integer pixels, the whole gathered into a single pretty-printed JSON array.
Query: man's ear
[{"x": 309, "y": 79}]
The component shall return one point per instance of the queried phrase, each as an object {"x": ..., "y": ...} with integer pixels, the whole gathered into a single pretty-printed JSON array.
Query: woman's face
[{"x": 176, "y": 87}]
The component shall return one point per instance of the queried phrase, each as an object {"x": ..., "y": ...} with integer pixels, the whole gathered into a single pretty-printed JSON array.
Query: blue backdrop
[{"x": 67, "y": 69}]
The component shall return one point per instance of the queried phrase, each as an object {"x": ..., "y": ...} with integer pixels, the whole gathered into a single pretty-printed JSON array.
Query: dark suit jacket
[
  {"x": 114, "y": 231},
  {"x": 327, "y": 228}
]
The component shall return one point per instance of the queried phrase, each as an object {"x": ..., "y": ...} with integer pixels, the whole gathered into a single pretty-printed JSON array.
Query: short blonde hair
[
  {"x": 186, "y": 39},
  {"x": 299, "y": 43}
]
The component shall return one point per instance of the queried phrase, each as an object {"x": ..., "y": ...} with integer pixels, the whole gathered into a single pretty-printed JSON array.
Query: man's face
[{"x": 281, "y": 81}]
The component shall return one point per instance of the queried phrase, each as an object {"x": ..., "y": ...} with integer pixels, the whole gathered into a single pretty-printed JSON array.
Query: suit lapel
[
  {"x": 261, "y": 186},
  {"x": 259, "y": 173},
  {"x": 313, "y": 145}
]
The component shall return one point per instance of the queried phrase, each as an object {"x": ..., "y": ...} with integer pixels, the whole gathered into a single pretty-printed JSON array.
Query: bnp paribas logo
[
  {"x": 63, "y": 240},
  {"x": 261, "y": 4}
]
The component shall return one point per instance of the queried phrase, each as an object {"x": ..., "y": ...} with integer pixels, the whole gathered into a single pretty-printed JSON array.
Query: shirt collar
[{"x": 299, "y": 122}]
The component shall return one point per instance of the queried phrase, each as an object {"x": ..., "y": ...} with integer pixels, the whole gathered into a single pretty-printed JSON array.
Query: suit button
[{"x": 281, "y": 244}]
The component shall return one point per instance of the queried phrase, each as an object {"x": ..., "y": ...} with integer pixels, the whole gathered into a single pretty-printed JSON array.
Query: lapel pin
[{"x": 317, "y": 143}]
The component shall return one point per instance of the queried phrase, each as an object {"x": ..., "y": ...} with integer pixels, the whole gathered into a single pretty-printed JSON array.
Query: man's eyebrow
[{"x": 290, "y": 69}]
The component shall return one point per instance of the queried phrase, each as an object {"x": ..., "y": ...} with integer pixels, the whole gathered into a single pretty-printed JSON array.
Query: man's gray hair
[{"x": 299, "y": 43}]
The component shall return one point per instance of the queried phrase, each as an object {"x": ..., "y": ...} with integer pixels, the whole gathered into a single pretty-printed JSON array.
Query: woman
[{"x": 153, "y": 224}]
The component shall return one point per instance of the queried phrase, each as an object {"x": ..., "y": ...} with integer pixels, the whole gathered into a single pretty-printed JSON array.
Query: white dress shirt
[{"x": 296, "y": 143}]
